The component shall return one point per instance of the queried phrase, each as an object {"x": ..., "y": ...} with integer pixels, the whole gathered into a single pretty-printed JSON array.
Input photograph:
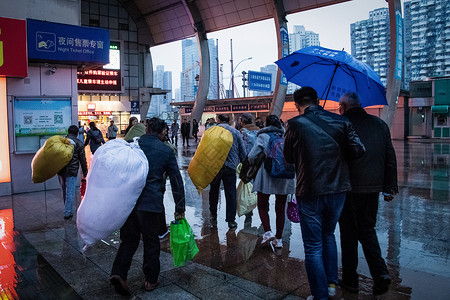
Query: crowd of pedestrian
[{"x": 336, "y": 165}]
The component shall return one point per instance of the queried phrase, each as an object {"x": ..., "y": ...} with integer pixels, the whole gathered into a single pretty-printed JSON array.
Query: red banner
[
  {"x": 94, "y": 113},
  {"x": 13, "y": 48}
]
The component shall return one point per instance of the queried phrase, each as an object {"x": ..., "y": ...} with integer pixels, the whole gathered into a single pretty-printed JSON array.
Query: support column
[
  {"x": 144, "y": 96},
  {"x": 395, "y": 73},
  {"x": 279, "y": 94}
]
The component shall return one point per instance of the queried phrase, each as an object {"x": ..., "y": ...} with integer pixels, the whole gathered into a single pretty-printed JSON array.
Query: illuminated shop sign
[
  {"x": 103, "y": 79},
  {"x": 55, "y": 42},
  {"x": 94, "y": 113},
  {"x": 13, "y": 48}
]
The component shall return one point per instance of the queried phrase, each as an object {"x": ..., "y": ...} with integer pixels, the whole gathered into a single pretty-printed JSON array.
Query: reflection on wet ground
[{"x": 413, "y": 231}]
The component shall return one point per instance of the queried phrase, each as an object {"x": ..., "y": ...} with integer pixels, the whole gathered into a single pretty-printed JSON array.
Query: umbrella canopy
[{"x": 333, "y": 73}]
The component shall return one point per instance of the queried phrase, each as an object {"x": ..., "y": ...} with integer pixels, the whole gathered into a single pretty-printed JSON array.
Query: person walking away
[
  {"x": 146, "y": 216},
  {"x": 374, "y": 172},
  {"x": 133, "y": 121},
  {"x": 111, "y": 133},
  {"x": 259, "y": 123},
  {"x": 210, "y": 123},
  {"x": 185, "y": 131},
  {"x": 68, "y": 175},
  {"x": 195, "y": 129},
  {"x": 227, "y": 174},
  {"x": 266, "y": 185},
  {"x": 319, "y": 142},
  {"x": 81, "y": 132},
  {"x": 174, "y": 131},
  {"x": 94, "y": 138}
]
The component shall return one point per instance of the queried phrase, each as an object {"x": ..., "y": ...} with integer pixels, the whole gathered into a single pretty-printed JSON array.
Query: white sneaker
[
  {"x": 267, "y": 237},
  {"x": 277, "y": 243},
  {"x": 331, "y": 290},
  {"x": 310, "y": 297}
]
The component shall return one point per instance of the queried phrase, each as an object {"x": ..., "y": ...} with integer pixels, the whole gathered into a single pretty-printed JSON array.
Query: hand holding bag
[
  {"x": 182, "y": 242},
  {"x": 292, "y": 210}
]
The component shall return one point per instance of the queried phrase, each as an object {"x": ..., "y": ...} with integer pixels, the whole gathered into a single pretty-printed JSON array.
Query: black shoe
[
  {"x": 232, "y": 225},
  {"x": 381, "y": 285},
  {"x": 120, "y": 285},
  {"x": 349, "y": 287},
  {"x": 68, "y": 217}
]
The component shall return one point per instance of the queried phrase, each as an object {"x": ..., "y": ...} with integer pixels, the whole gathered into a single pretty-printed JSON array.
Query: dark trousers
[
  {"x": 194, "y": 134},
  {"x": 185, "y": 138},
  {"x": 175, "y": 137},
  {"x": 357, "y": 223},
  {"x": 147, "y": 224},
  {"x": 280, "y": 208},
  {"x": 228, "y": 176}
]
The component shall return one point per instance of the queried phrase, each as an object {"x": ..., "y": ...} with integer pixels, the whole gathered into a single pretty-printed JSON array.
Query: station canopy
[{"x": 161, "y": 22}]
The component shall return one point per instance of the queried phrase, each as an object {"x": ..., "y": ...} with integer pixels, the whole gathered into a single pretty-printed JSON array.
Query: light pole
[{"x": 232, "y": 74}]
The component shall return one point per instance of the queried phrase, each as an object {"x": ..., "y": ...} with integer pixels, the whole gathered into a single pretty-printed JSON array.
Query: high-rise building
[
  {"x": 370, "y": 41},
  {"x": 161, "y": 103},
  {"x": 191, "y": 68},
  {"x": 300, "y": 38},
  {"x": 427, "y": 43}
]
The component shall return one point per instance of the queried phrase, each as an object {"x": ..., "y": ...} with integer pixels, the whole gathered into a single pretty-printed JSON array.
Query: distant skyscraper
[
  {"x": 161, "y": 79},
  {"x": 371, "y": 41},
  {"x": 427, "y": 43},
  {"x": 190, "y": 69},
  {"x": 300, "y": 38}
]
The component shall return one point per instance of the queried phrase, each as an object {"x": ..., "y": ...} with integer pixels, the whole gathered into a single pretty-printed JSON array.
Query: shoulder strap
[{"x": 324, "y": 125}]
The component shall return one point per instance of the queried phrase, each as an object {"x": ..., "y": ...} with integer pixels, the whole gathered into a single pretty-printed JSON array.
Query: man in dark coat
[
  {"x": 319, "y": 142},
  {"x": 148, "y": 213},
  {"x": 374, "y": 172},
  {"x": 185, "y": 129},
  {"x": 68, "y": 175}
]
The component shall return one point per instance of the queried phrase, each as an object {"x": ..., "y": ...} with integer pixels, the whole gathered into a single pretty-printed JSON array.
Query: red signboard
[
  {"x": 94, "y": 113},
  {"x": 13, "y": 48}
]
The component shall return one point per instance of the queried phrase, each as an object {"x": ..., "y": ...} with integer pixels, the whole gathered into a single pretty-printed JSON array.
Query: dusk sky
[{"x": 258, "y": 40}]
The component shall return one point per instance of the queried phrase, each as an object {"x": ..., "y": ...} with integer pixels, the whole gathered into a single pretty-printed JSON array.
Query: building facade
[
  {"x": 370, "y": 41},
  {"x": 191, "y": 70},
  {"x": 427, "y": 43},
  {"x": 160, "y": 104}
]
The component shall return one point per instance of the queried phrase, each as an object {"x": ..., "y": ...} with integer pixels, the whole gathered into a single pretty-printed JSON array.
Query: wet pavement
[{"x": 42, "y": 257}]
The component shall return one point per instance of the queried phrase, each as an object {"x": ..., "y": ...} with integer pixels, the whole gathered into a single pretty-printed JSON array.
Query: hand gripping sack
[
  {"x": 51, "y": 158},
  {"x": 210, "y": 156},
  {"x": 275, "y": 164},
  {"x": 115, "y": 180},
  {"x": 182, "y": 242}
]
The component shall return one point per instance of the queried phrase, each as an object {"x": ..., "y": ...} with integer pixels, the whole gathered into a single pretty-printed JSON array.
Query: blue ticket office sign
[
  {"x": 259, "y": 81},
  {"x": 62, "y": 43}
]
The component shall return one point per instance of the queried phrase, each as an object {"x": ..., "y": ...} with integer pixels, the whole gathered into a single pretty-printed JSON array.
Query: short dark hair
[
  {"x": 156, "y": 125},
  {"x": 224, "y": 118},
  {"x": 273, "y": 120},
  {"x": 306, "y": 96},
  {"x": 247, "y": 118},
  {"x": 92, "y": 124},
  {"x": 73, "y": 129}
]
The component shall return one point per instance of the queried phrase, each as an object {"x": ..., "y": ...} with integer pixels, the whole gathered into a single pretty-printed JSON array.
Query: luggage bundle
[
  {"x": 212, "y": 151},
  {"x": 51, "y": 158},
  {"x": 115, "y": 180}
]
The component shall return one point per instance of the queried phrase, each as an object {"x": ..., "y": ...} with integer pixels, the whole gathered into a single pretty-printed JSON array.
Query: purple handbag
[{"x": 292, "y": 210}]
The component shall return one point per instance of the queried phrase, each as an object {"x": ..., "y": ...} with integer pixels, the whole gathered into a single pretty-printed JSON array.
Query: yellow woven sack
[
  {"x": 210, "y": 156},
  {"x": 51, "y": 158}
]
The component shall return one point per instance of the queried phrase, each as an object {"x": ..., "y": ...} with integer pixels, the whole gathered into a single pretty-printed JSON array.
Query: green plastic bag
[{"x": 182, "y": 242}]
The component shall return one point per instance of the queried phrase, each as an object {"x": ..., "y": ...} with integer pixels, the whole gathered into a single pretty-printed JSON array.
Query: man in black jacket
[
  {"x": 68, "y": 175},
  {"x": 319, "y": 142},
  {"x": 185, "y": 129},
  {"x": 374, "y": 172},
  {"x": 148, "y": 213}
]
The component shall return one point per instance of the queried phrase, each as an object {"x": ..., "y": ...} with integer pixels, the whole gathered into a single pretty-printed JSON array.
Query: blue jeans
[
  {"x": 318, "y": 218},
  {"x": 68, "y": 192}
]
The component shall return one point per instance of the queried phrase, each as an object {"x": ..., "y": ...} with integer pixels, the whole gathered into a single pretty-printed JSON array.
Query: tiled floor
[{"x": 413, "y": 231}]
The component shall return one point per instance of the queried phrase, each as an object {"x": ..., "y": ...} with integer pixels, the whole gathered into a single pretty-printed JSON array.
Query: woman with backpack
[
  {"x": 270, "y": 140},
  {"x": 94, "y": 138}
]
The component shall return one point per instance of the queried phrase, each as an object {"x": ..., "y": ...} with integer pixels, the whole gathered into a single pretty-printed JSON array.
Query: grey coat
[{"x": 265, "y": 183}]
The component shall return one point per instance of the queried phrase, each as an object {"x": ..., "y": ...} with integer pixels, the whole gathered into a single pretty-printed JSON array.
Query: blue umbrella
[{"x": 333, "y": 73}]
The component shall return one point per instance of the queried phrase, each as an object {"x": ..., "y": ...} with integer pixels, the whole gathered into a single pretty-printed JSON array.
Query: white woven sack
[{"x": 115, "y": 180}]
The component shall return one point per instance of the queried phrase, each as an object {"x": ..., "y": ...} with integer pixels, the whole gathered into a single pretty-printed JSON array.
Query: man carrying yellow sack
[
  {"x": 227, "y": 174},
  {"x": 68, "y": 175}
]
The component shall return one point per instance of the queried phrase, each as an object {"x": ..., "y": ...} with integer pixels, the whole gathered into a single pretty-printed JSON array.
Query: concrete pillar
[
  {"x": 396, "y": 61},
  {"x": 279, "y": 94},
  {"x": 145, "y": 97}
]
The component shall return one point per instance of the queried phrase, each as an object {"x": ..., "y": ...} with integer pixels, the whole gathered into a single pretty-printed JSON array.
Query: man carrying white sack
[{"x": 146, "y": 216}]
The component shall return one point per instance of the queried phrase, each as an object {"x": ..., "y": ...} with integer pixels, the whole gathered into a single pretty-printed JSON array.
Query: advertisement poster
[{"x": 40, "y": 117}]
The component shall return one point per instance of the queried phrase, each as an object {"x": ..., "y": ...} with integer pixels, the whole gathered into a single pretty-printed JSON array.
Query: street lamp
[{"x": 232, "y": 74}]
